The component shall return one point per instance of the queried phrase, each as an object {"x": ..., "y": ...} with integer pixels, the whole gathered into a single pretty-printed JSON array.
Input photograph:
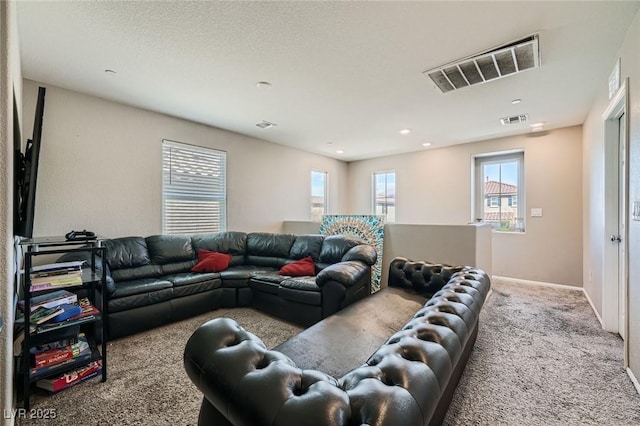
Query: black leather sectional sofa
[
  {"x": 150, "y": 283},
  {"x": 419, "y": 346}
]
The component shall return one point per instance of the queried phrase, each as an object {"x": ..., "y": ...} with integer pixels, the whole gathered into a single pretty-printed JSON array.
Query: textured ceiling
[{"x": 345, "y": 75}]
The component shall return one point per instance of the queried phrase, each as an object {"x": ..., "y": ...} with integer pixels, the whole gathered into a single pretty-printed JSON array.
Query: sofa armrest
[
  {"x": 250, "y": 385},
  {"x": 346, "y": 273},
  {"x": 363, "y": 252}
]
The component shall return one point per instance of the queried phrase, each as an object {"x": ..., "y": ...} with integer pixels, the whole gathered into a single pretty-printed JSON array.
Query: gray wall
[
  {"x": 10, "y": 80},
  {"x": 450, "y": 244},
  {"x": 434, "y": 187},
  {"x": 594, "y": 192},
  {"x": 100, "y": 169}
]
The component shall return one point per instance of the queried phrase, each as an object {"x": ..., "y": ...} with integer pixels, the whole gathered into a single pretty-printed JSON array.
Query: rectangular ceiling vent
[
  {"x": 502, "y": 61},
  {"x": 516, "y": 119}
]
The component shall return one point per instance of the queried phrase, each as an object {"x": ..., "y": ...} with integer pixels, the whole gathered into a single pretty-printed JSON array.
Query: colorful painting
[{"x": 366, "y": 227}]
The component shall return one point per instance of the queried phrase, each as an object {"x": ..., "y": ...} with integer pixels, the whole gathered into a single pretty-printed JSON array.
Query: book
[
  {"x": 65, "y": 381},
  {"x": 84, "y": 355},
  {"x": 56, "y": 355},
  {"x": 50, "y": 267},
  {"x": 48, "y": 326},
  {"x": 68, "y": 311},
  {"x": 42, "y": 314},
  {"x": 43, "y": 279},
  {"x": 57, "y": 284},
  {"x": 55, "y": 344},
  {"x": 87, "y": 309},
  {"x": 50, "y": 300}
]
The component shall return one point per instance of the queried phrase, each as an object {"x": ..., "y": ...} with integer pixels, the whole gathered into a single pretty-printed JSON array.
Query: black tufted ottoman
[{"x": 389, "y": 359}]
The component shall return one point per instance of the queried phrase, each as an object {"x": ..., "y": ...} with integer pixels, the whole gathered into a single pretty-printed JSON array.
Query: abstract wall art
[{"x": 369, "y": 228}]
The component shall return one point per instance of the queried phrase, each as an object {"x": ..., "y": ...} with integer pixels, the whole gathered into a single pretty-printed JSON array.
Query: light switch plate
[
  {"x": 635, "y": 212},
  {"x": 536, "y": 212}
]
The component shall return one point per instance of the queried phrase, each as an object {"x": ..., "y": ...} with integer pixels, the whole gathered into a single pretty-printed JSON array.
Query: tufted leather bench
[{"x": 408, "y": 380}]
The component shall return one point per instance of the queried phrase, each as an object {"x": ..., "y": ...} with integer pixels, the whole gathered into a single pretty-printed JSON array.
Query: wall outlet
[{"x": 536, "y": 212}]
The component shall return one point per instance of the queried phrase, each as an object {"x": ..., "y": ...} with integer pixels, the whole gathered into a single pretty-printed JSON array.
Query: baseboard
[
  {"x": 593, "y": 308},
  {"x": 539, "y": 283},
  {"x": 552, "y": 285},
  {"x": 633, "y": 379}
]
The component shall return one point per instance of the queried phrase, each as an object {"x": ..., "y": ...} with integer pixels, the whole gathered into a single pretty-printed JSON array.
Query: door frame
[{"x": 618, "y": 106}]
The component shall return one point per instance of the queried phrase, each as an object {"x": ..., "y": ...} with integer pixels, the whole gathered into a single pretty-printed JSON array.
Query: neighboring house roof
[
  {"x": 493, "y": 188},
  {"x": 497, "y": 216}
]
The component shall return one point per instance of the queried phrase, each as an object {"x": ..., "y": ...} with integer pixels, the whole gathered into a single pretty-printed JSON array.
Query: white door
[{"x": 622, "y": 225}]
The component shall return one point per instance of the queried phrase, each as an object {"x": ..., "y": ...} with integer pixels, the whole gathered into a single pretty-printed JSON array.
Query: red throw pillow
[
  {"x": 211, "y": 261},
  {"x": 304, "y": 266}
]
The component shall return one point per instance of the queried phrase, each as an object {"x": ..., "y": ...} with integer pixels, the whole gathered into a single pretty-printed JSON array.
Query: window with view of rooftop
[
  {"x": 318, "y": 195},
  {"x": 194, "y": 189},
  {"x": 384, "y": 195},
  {"x": 499, "y": 186}
]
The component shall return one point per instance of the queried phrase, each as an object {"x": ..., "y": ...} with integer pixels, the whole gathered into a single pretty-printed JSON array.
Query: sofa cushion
[
  {"x": 189, "y": 278},
  {"x": 139, "y": 300},
  {"x": 140, "y": 272},
  {"x": 335, "y": 246},
  {"x": 127, "y": 252},
  {"x": 306, "y": 245},
  {"x": 209, "y": 261},
  {"x": 302, "y": 267},
  {"x": 301, "y": 290},
  {"x": 264, "y": 286},
  {"x": 140, "y": 286},
  {"x": 232, "y": 242},
  {"x": 170, "y": 248}
]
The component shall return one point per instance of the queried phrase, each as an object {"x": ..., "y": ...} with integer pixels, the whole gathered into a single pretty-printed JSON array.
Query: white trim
[
  {"x": 593, "y": 307},
  {"x": 552, "y": 285},
  {"x": 633, "y": 379},
  {"x": 539, "y": 283}
]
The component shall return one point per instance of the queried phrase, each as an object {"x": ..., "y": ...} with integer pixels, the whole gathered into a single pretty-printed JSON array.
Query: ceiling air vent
[
  {"x": 516, "y": 119},
  {"x": 266, "y": 124},
  {"x": 492, "y": 64}
]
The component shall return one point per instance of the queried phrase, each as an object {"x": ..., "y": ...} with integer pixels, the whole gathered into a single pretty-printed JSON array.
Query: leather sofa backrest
[
  {"x": 129, "y": 258},
  {"x": 266, "y": 249},
  {"x": 127, "y": 252},
  {"x": 174, "y": 253},
  {"x": 334, "y": 248},
  {"x": 306, "y": 245},
  {"x": 231, "y": 242}
]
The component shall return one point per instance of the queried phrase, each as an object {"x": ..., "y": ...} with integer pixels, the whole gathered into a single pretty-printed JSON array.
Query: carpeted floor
[{"x": 541, "y": 358}]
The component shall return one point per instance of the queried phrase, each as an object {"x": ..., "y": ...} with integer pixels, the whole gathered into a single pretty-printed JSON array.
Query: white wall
[
  {"x": 10, "y": 80},
  {"x": 434, "y": 187},
  {"x": 594, "y": 190},
  {"x": 100, "y": 169}
]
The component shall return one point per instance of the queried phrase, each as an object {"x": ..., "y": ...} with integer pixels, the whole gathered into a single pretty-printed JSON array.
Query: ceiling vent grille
[
  {"x": 516, "y": 119},
  {"x": 266, "y": 124},
  {"x": 493, "y": 64}
]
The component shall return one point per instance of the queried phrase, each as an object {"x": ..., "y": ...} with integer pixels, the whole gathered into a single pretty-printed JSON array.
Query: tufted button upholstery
[
  {"x": 403, "y": 382},
  {"x": 423, "y": 277}
]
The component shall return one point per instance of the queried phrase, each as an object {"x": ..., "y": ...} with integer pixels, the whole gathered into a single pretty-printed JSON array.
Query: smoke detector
[
  {"x": 266, "y": 124},
  {"x": 498, "y": 62},
  {"x": 516, "y": 119}
]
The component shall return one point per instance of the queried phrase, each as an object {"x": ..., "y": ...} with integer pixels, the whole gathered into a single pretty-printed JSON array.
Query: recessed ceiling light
[
  {"x": 339, "y": 151},
  {"x": 540, "y": 124},
  {"x": 516, "y": 101},
  {"x": 108, "y": 71},
  {"x": 263, "y": 85},
  {"x": 426, "y": 144},
  {"x": 405, "y": 131}
]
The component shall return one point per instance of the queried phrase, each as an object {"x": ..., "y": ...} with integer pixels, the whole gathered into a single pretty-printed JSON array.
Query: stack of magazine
[{"x": 56, "y": 275}]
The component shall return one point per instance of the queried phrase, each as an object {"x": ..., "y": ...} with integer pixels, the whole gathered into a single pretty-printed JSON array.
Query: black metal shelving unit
[{"x": 94, "y": 329}]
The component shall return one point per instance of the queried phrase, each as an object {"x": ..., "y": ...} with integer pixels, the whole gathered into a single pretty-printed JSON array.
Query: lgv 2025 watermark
[{"x": 34, "y": 413}]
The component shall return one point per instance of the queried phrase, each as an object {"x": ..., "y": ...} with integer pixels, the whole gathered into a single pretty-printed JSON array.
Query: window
[
  {"x": 194, "y": 189},
  {"x": 384, "y": 195},
  {"x": 499, "y": 186},
  {"x": 318, "y": 195}
]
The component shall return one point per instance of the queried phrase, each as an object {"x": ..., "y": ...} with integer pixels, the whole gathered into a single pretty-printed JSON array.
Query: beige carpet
[{"x": 541, "y": 359}]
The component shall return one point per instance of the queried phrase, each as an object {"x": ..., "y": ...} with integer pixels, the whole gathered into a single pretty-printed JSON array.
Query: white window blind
[{"x": 194, "y": 189}]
